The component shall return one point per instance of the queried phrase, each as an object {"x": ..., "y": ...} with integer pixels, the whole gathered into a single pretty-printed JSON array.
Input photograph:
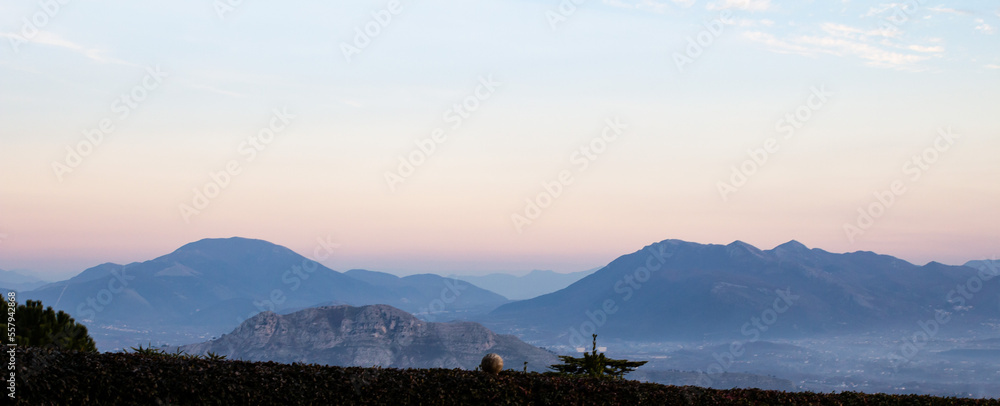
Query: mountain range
[
  {"x": 670, "y": 290},
  {"x": 677, "y": 290},
  {"x": 733, "y": 314},
  {"x": 368, "y": 336},
  {"x": 218, "y": 283}
]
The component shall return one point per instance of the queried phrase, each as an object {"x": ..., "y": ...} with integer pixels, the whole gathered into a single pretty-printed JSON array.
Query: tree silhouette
[
  {"x": 596, "y": 365},
  {"x": 35, "y": 326}
]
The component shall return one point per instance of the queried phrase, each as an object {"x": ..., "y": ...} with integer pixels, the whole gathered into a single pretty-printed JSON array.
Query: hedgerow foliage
[
  {"x": 149, "y": 351},
  {"x": 52, "y": 377}
]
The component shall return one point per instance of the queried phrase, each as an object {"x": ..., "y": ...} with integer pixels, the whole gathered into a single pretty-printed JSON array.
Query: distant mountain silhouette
[
  {"x": 691, "y": 291},
  {"x": 535, "y": 283},
  {"x": 218, "y": 283},
  {"x": 681, "y": 290},
  {"x": 367, "y": 336},
  {"x": 433, "y": 297},
  {"x": 17, "y": 281},
  {"x": 989, "y": 267},
  {"x": 208, "y": 282}
]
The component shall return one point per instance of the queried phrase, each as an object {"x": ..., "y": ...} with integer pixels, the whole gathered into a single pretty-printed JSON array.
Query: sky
[{"x": 496, "y": 136}]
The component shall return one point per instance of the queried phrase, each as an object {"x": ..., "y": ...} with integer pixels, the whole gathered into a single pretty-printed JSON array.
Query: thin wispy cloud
[
  {"x": 654, "y": 6},
  {"x": 648, "y": 5},
  {"x": 919, "y": 48},
  {"x": 217, "y": 90},
  {"x": 877, "y": 10},
  {"x": 749, "y": 5},
  {"x": 751, "y": 23},
  {"x": 846, "y": 31},
  {"x": 872, "y": 46},
  {"x": 49, "y": 38},
  {"x": 940, "y": 9},
  {"x": 983, "y": 27}
]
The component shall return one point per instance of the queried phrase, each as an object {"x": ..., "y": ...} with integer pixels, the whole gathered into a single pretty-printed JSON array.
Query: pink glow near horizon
[{"x": 420, "y": 158}]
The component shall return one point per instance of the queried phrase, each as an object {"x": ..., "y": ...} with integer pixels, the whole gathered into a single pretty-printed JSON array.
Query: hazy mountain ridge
[
  {"x": 433, "y": 297},
  {"x": 700, "y": 291},
  {"x": 207, "y": 282},
  {"x": 532, "y": 284},
  {"x": 214, "y": 284},
  {"x": 369, "y": 335},
  {"x": 992, "y": 266},
  {"x": 17, "y": 281}
]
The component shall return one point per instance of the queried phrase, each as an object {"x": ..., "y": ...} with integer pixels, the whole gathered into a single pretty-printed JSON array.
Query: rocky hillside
[{"x": 368, "y": 336}]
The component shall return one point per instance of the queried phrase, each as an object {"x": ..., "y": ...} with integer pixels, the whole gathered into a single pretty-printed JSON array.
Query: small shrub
[{"x": 596, "y": 365}]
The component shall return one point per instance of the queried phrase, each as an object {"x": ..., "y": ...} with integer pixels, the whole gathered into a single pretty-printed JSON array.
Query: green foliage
[
  {"x": 596, "y": 365},
  {"x": 177, "y": 354},
  {"x": 36, "y": 326},
  {"x": 149, "y": 351},
  {"x": 211, "y": 356}
]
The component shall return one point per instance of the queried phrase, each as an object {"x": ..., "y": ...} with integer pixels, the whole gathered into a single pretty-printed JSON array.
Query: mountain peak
[
  {"x": 233, "y": 250},
  {"x": 792, "y": 246},
  {"x": 96, "y": 272},
  {"x": 225, "y": 243},
  {"x": 738, "y": 246},
  {"x": 674, "y": 241}
]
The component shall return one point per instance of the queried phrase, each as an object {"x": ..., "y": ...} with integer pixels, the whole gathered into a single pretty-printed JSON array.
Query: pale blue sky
[{"x": 892, "y": 89}]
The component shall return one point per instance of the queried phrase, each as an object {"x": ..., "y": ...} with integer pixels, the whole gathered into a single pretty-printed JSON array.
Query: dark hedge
[{"x": 48, "y": 377}]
